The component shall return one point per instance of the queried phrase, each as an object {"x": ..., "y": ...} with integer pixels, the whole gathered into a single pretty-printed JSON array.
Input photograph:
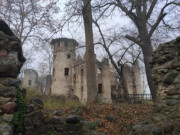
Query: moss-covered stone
[
  {"x": 170, "y": 77},
  {"x": 171, "y": 102},
  {"x": 11, "y": 56}
]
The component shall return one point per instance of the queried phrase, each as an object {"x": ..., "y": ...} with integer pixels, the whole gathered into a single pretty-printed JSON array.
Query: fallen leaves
[{"x": 126, "y": 115}]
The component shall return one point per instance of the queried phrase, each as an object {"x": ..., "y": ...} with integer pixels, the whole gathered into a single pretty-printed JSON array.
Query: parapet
[{"x": 57, "y": 40}]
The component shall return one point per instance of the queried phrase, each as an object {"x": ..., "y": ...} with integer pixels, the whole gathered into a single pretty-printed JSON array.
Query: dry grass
[{"x": 51, "y": 103}]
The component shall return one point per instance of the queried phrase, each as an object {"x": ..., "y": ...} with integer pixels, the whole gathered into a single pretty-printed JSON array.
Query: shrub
[
  {"x": 20, "y": 113},
  {"x": 50, "y": 133}
]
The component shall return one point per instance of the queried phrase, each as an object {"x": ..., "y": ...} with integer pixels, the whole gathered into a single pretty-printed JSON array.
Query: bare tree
[
  {"x": 32, "y": 21},
  {"x": 76, "y": 6},
  {"x": 146, "y": 18},
  {"x": 45, "y": 50},
  {"x": 118, "y": 62},
  {"x": 28, "y": 17},
  {"x": 90, "y": 56}
]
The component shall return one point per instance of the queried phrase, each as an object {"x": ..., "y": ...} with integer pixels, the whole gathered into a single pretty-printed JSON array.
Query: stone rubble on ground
[{"x": 39, "y": 122}]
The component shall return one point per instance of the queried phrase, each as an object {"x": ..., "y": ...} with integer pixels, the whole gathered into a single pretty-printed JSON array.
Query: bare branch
[
  {"x": 128, "y": 12},
  {"x": 105, "y": 47},
  {"x": 124, "y": 54},
  {"x": 134, "y": 40},
  {"x": 151, "y": 9},
  {"x": 161, "y": 16}
]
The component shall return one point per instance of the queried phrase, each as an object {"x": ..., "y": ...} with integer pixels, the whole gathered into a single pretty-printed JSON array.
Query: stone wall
[
  {"x": 133, "y": 76},
  {"x": 11, "y": 61},
  {"x": 38, "y": 122},
  {"x": 165, "y": 118}
]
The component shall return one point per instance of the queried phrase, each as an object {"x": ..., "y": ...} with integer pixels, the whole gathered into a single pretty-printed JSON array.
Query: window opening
[
  {"x": 82, "y": 88},
  {"x": 99, "y": 88},
  {"x": 117, "y": 79},
  {"x": 82, "y": 72},
  {"x": 29, "y": 82},
  {"x": 74, "y": 79},
  {"x": 66, "y": 44},
  {"x": 82, "y": 92},
  {"x": 58, "y": 45},
  {"x": 99, "y": 71},
  {"x": 68, "y": 56},
  {"x": 66, "y": 72}
]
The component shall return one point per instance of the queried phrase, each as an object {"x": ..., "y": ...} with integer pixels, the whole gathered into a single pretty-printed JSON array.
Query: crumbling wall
[
  {"x": 133, "y": 78},
  {"x": 133, "y": 82},
  {"x": 38, "y": 122},
  {"x": 30, "y": 79},
  {"x": 11, "y": 61},
  {"x": 79, "y": 81},
  {"x": 103, "y": 79},
  {"x": 165, "y": 118},
  {"x": 48, "y": 85}
]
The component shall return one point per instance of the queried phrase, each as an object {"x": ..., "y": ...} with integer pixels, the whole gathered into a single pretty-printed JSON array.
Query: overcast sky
[{"x": 77, "y": 32}]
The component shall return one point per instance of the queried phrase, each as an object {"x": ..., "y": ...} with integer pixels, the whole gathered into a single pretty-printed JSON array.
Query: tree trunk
[
  {"x": 123, "y": 83},
  {"x": 90, "y": 56},
  {"x": 147, "y": 53}
]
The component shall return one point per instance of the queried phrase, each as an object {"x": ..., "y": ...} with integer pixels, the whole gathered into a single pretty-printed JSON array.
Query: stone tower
[
  {"x": 30, "y": 79},
  {"x": 64, "y": 61}
]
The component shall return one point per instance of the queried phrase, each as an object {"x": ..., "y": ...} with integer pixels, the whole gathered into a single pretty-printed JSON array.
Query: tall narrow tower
[{"x": 63, "y": 63}]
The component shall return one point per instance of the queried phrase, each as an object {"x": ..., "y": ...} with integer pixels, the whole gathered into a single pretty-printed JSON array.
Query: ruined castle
[{"x": 69, "y": 75}]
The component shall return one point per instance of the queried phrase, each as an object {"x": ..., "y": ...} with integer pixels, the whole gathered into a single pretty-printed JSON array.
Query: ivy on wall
[{"x": 20, "y": 113}]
